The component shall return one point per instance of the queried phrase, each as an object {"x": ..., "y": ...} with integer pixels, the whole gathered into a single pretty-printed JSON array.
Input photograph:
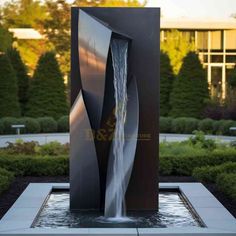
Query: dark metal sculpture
[{"x": 92, "y": 119}]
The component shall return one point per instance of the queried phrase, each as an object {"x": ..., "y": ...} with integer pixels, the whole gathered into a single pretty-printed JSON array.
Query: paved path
[{"x": 64, "y": 138}]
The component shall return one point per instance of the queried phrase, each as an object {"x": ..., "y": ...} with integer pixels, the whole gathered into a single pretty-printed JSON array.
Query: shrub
[
  {"x": 214, "y": 110},
  {"x": 227, "y": 183},
  {"x": 200, "y": 141},
  {"x": 52, "y": 149},
  {"x": 233, "y": 143},
  {"x": 35, "y": 166},
  {"x": 185, "y": 164},
  {"x": 31, "y": 125},
  {"x": 21, "y": 147},
  {"x": 165, "y": 166},
  {"x": 216, "y": 127},
  {"x": 47, "y": 125},
  {"x": 178, "y": 125},
  {"x": 179, "y": 149},
  {"x": 7, "y": 123},
  {"x": 225, "y": 125},
  {"x": 206, "y": 125},
  {"x": 63, "y": 124},
  {"x": 165, "y": 124},
  {"x": 1, "y": 127},
  {"x": 210, "y": 173},
  {"x": 191, "y": 124},
  {"x": 6, "y": 178}
]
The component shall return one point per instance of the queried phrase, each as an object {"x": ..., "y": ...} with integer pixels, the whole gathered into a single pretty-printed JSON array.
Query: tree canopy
[
  {"x": 166, "y": 81},
  {"x": 9, "y": 105},
  {"x": 23, "y": 13},
  {"x": 21, "y": 75},
  {"x": 6, "y": 39},
  {"x": 47, "y": 92},
  {"x": 190, "y": 89},
  {"x": 177, "y": 45}
]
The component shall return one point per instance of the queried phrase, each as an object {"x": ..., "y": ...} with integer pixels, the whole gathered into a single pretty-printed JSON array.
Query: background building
[{"x": 215, "y": 42}]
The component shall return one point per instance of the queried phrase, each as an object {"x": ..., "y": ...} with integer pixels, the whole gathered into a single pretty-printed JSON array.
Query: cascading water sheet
[{"x": 116, "y": 189}]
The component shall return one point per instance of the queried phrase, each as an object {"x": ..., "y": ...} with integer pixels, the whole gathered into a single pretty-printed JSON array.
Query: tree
[
  {"x": 47, "y": 92},
  {"x": 166, "y": 81},
  {"x": 22, "y": 77},
  {"x": 190, "y": 89},
  {"x": 9, "y": 105},
  {"x": 177, "y": 45},
  {"x": 6, "y": 39},
  {"x": 23, "y": 13},
  {"x": 57, "y": 26},
  {"x": 109, "y": 3},
  {"x": 26, "y": 14},
  {"x": 57, "y": 29}
]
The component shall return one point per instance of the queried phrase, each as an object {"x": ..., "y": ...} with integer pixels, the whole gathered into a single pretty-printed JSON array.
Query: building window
[
  {"x": 216, "y": 40},
  {"x": 202, "y": 40},
  {"x": 217, "y": 58},
  {"x": 216, "y": 82},
  {"x": 230, "y": 58},
  {"x": 230, "y": 39}
]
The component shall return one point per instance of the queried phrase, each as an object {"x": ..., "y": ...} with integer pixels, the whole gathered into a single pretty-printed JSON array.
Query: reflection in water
[{"x": 173, "y": 212}]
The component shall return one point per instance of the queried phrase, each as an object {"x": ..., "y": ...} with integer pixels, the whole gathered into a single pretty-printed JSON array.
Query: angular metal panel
[
  {"x": 131, "y": 136},
  {"x": 94, "y": 41},
  {"x": 84, "y": 172},
  {"x": 143, "y": 26}
]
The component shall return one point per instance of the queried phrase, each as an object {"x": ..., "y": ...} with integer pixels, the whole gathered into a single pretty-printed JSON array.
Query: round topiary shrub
[
  {"x": 225, "y": 125},
  {"x": 178, "y": 125},
  {"x": 31, "y": 125},
  {"x": 165, "y": 124},
  {"x": 47, "y": 125},
  {"x": 1, "y": 127},
  {"x": 206, "y": 126},
  {"x": 191, "y": 124},
  {"x": 216, "y": 127},
  {"x": 7, "y": 123},
  {"x": 63, "y": 124}
]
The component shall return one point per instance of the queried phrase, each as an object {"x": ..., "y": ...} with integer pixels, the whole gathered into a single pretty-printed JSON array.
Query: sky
[
  {"x": 220, "y": 9},
  {"x": 195, "y": 8}
]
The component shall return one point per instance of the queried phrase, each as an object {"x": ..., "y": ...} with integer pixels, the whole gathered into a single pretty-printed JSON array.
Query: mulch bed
[{"x": 9, "y": 197}]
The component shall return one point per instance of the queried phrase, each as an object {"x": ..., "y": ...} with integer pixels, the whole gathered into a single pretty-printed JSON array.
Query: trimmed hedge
[
  {"x": 6, "y": 178},
  {"x": 184, "y": 165},
  {"x": 210, "y": 173},
  {"x": 47, "y": 125},
  {"x": 7, "y": 123},
  {"x": 206, "y": 125},
  {"x": 165, "y": 124},
  {"x": 34, "y": 125},
  {"x": 1, "y": 127},
  {"x": 63, "y": 124},
  {"x": 182, "y": 125},
  {"x": 227, "y": 184},
  {"x": 186, "y": 125},
  {"x": 24, "y": 165}
]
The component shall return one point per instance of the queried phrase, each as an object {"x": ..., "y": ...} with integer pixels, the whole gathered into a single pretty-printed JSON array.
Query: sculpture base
[{"x": 23, "y": 216}]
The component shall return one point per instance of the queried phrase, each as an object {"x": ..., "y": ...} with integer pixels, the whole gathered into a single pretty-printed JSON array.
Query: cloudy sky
[{"x": 192, "y": 8}]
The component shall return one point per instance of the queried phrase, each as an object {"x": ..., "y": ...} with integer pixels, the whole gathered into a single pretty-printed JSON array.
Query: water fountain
[{"x": 114, "y": 136}]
